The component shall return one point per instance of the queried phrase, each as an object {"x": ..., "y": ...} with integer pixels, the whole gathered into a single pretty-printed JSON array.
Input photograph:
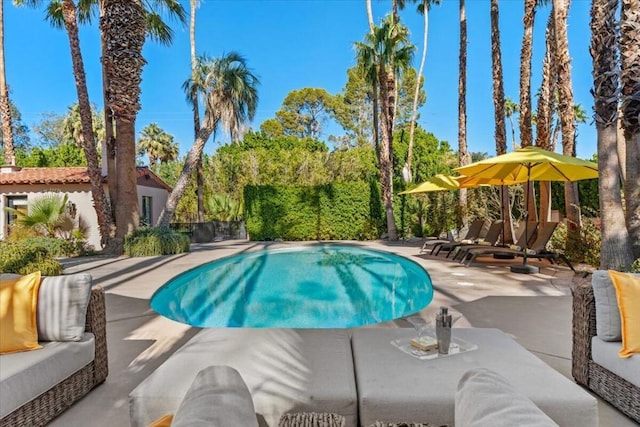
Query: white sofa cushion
[
  {"x": 485, "y": 399},
  {"x": 24, "y": 376},
  {"x": 217, "y": 397},
  {"x": 605, "y": 354},
  {"x": 62, "y": 307}
]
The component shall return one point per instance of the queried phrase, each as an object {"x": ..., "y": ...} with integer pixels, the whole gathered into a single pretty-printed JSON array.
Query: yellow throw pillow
[
  {"x": 164, "y": 421},
  {"x": 18, "y": 301},
  {"x": 628, "y": 295}
]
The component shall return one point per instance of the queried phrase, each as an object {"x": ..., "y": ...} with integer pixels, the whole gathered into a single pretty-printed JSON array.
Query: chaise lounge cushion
[
  {"x": 217, "y": 397},
  {"x": 62, "y": 307},
  {"x": 605, "y": 354},
  {"x": 25, "y": 376}
]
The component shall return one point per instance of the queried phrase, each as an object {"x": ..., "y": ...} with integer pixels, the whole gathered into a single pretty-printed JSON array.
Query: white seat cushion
[
  {"x": 605, "y": 354},
  {"x": 286, "y": 370},
  {"x": 26, "y": 375}
]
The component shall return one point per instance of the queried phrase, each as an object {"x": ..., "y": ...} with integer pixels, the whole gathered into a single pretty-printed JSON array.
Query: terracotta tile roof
[{"x": 72, "y": 175}]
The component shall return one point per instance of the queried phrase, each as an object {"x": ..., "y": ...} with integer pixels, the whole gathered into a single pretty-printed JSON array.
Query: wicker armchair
[
  {"x": 57, "y": 399},
  {"x": 612, "y": 388}
]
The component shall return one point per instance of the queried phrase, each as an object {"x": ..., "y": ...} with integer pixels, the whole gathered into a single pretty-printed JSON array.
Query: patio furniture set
[
  {"x": 297, "y": 377},
  {"x": 36, "y": 386}
]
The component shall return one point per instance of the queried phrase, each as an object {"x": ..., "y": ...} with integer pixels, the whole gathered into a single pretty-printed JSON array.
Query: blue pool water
[{"x": 317, "y": 286}]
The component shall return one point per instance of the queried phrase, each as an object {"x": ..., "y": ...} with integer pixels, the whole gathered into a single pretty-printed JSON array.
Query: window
[
  {"x": 146, "y": 215},
  {"x": 18, "y": 203}
]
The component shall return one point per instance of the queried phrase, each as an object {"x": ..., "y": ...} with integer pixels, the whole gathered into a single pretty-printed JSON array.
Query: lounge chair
[
  {"x": 473, "y": 233},
  {"x": 538, "y": 246},
  {"x": 531, "y": 231},
  {"x": 493, "y": 234}
]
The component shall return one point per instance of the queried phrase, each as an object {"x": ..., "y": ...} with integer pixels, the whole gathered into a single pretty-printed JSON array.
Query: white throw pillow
[
  {"x": 62, "y": 307},
  {"x": 485, "y": 399},
  {"x": 217, "y": 397}
]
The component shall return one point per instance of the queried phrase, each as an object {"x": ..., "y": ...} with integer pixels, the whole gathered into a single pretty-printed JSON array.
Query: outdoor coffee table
[{"x": 393, "y": 386}]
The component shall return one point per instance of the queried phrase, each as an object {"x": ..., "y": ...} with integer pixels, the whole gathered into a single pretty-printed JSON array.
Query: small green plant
[
  {"x": 583, "y": 247},
  {"x": 635, "y": 266},
  {"x": 27, "y": 257},
  {"x": 153, "y": 241}
]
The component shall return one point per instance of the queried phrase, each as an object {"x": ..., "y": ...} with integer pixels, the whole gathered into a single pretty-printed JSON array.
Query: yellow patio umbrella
[
  {"x": 526, "y": 165},
  {"x": 438, "y": 182}
]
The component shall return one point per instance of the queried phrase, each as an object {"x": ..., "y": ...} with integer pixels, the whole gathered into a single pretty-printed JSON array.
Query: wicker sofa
[
  {"x": 55, "y": 400},
  {"x": 611, "y": 387}
]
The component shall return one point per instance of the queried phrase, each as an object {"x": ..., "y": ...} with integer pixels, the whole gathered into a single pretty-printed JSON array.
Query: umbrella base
[{"x": 525, "y": 269}]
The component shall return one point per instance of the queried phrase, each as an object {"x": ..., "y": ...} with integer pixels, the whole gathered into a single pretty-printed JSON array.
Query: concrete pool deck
[{"x": 535, "y": 310}]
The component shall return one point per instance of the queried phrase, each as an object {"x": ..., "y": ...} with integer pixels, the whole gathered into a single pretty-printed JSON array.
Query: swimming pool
[{"x": 315, "y": 286}]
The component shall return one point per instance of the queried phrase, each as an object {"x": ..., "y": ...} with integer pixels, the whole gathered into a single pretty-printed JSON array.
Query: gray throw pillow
[
  {"x": 607, "y": 311},
  {"x": 217, "y": 397},
  {"x": 62, "y": 307},
  {"x": 485, "y": 399}
]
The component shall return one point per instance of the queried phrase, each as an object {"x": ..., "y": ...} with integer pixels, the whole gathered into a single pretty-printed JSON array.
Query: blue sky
[{"x": 292, "y": 44}]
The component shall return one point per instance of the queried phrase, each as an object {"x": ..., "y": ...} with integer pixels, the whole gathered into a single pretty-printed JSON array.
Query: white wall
[
  {"x": 80, "y": 194},
  {"x": 159, "y": 198}
]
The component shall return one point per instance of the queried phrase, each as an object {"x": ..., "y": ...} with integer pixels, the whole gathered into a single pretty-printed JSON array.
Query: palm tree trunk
[
  {"x": 386, "y": 150},
  {"x": 616, "y": 250},
  {"x": 191, "y": 162},
  {"x": 565, "y": 109},
  {"x": 88, "y": 144},
  {"x": 630, "y": 79},
  {"x": 463, "y": 155},
  {"x": 124, "y": 25},
  {"x": 374, "y": 91},
  {"x": 127, "y": 208},
  {"x": 498, "y": 103},
  {"x": 414, "y": 112},
  {"x": 526, "y": 133},
  {"x": 5, "y": 106},
  {"x": 196, "y": 111},
  {"x": 544, "y": 118},
  {"x": 110, "y": 145}
]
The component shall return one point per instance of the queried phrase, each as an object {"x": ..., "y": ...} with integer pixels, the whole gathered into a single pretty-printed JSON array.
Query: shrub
[
  {"x": 27, "y": 257},
  {"x": 345, "y": 211},
  {"x": 584, "y": 247},
  {"x": 152, "y": 241}
]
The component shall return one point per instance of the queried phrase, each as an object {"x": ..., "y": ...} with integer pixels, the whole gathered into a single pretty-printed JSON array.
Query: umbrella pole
[{"x": 524, "y": 268}]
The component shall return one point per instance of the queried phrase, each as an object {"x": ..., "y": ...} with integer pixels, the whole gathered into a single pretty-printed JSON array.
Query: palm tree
[
  {"x": 157, "y": 30},
  {"x": 423, "y": 8},
  {"x": 157, "y": 144},
  {"x": 499, "y": 113},
  {"x": 630, "y": 80},
  {"x": 229, "y": 90},
  {"x": 526, "y": 134},
  {"x": 615, "y": 251},
  {"x": 65, "y": 14},
  {"x": 511, "y": 108},
  {"x": 565, "y": 107},
  {"x": 464, "y": 158},
  {"x": 387, "y": 52},
  {"x": 123, "y": 25},
  {"x": 5, "y": 105},
  {"x": 372, "y": 79}
]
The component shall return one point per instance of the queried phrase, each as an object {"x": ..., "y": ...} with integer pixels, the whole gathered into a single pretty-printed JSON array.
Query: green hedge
[
  {"x": 340, "y": 211},
  {"x": 27, "y": 257},
  {"x": 152, "y": 241}
]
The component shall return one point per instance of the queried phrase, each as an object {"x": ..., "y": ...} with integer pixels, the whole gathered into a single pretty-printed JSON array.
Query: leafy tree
[
  {"x": 353, "y": 109},
  {"x": 304, "y": 112},
  {"x": 20, "y": 131},
  {"x": 157, "y": 144}
]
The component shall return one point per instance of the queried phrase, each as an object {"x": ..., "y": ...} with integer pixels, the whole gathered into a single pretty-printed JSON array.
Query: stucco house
[{"x": 19, "y": 186}]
